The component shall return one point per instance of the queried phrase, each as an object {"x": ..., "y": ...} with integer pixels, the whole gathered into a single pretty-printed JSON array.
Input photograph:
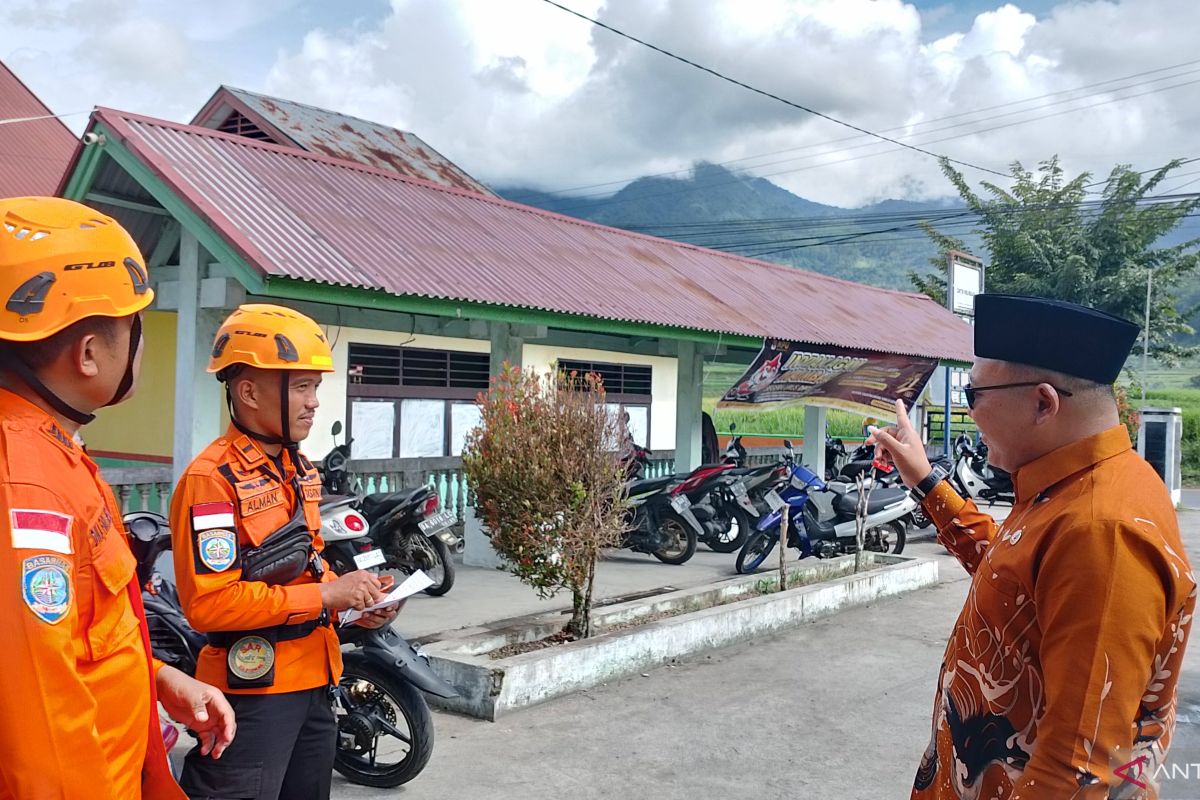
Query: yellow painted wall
[
  {"x": 143, "y": 425},
  {"x": 663, "y": 378}
]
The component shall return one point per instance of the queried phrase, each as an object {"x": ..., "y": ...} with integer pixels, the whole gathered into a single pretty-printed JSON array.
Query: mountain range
[{"x": 747, "y": 215}]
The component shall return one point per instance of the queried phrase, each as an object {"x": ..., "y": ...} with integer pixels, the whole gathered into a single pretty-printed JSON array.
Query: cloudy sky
[{"x": 517, "y": 91}]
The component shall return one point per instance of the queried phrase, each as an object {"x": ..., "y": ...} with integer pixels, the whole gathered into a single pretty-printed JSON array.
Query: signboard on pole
[{"x": 964, "y": 280}]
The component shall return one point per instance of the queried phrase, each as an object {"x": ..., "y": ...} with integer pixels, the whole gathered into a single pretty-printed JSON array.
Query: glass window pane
[
  {"x": 373, "y": 426},
  {"x": 639, "y": 424},
  {"x": 463, "y": 418},
  {"x": 422, "y": 428}
]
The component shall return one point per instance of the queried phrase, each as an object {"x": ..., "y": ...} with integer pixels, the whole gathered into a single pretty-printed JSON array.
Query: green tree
[{"x": 1051, "y": 237}]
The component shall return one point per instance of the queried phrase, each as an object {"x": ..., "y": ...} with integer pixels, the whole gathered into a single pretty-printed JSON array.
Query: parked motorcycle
[
  {"x": 406, "y": 527},
  {"x": 721, "y": 504},
  {"x": 385, "y": 730},
  {"x": 975, "y": 478},
  {"x": 822, "y": 518},
  {"x": 757, "y": 480},
  {"x": 660, "y": 523}
]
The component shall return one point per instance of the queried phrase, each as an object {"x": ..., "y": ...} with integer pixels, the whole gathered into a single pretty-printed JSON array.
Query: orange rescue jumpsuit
[
  {"x": 1059, "y": 679},
  {"x": 78, "y": 710},
  {"x": 232, "y": 498}
]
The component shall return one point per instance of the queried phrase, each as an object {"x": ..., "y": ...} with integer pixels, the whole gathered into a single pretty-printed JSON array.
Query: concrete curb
[{"x": 489, "y": 688}]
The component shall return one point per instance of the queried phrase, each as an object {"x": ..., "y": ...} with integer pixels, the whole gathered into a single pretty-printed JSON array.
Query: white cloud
[{"x": 521, "y": 92}]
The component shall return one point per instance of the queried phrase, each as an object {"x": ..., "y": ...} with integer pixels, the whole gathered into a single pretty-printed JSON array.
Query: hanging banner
[{"x": 790, "y": 373}]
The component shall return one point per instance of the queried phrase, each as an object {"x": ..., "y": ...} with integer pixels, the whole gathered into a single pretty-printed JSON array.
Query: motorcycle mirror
[
  {"x": 337, "y": 428},
  {"x": 787, "y": 444},
  {"x": 732, "y": 427}
]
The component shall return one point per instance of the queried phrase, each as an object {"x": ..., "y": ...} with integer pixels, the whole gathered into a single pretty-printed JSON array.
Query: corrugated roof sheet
[
  {"x": 330, "y": 133},
  {"x": 329, "y": 221},
  {"x": 33, "y": 155}
]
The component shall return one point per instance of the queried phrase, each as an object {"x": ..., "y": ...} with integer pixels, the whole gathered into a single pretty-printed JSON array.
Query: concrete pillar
[
  {"x": 813, "y": 455},
  {"x": 505, "y": 348},
  {"x": 688, "y": 395},
  {"x": 198, "y": 395}
]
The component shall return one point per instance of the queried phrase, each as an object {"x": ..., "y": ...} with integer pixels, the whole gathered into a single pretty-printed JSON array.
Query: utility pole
[{"x": 1146, "y": 332}]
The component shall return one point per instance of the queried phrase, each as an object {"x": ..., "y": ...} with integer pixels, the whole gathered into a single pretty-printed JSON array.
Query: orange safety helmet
[
  {"x": 270, "y": 337},
  {"x": 61, "y": 262}
]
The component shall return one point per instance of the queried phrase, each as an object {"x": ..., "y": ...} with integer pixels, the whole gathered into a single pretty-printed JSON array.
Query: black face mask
[{"x": 26, "y": 373}]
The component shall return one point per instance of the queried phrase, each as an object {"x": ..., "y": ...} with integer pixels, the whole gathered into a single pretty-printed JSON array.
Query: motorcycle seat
[
  {"x": 649, "y": 484},
  {"x": 378, "y": 505},
  {"x": 330, "y": 500},
  {"x": 846, "y": 504}
]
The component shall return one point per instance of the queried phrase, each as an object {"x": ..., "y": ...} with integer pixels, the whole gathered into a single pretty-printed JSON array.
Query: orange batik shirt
[{"x": 1059, "y": 679}]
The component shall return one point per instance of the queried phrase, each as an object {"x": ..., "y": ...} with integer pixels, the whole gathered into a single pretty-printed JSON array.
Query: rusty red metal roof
[
  {"x": 33, "y": 154},
  {"x": 326, "y": 220},
  {"x": 330, "y": 133}
]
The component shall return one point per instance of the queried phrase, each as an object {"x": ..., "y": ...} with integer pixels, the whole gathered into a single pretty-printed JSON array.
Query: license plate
[
  {"x": 775, "y": 501},
  {"x": 738, "y": 489},
  {"x": 681, "y": 503},
  {"x": 371, "y": 558},
  {"x": 442, "y": 519}
]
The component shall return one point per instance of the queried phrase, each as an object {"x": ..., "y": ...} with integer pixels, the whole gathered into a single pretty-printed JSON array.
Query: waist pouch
[
  {"x": 283, "y": 555},
  {"x": 281, "y": 558}
]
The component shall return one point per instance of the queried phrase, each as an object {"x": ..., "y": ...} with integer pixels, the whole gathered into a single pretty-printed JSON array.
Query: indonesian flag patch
[
  {"x": 216, "y": 543},
  {"x": 36, "y": 529},
  {"x": 206, "y": 516}
]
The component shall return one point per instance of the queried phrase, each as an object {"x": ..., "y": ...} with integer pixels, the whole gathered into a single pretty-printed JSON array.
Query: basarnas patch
[
  {"x": 46, "y": 587},
  {"x": 216, "y": 549}
]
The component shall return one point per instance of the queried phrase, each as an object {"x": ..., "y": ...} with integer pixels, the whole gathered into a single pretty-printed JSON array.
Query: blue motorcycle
[
  {"x": 821, "y": 518},
  {"x": 791, "y": 497}
]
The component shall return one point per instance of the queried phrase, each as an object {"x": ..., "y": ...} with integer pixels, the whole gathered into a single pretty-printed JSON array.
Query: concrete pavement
[{"x": 838, "y": 709}]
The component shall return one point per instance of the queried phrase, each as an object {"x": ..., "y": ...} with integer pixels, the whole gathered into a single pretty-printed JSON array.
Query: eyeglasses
[{"x": 971, "y": 391}]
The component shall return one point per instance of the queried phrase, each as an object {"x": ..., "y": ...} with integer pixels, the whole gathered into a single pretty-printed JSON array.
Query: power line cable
[
  {"x": 15, "y": 120},
  {"x": 617, "y": 201},
  {"x": 770, "y": 95},
  {"x": 530, "y": 193}
]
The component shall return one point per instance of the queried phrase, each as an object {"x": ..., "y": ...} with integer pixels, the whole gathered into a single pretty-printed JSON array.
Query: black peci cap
[{"x": 1064, "y": 337}]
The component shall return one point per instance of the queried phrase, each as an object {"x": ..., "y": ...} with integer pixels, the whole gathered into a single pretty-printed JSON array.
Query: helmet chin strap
[
  {"x": 135, "y": 341},
  {"x": 27, "y": 374},
  {"x": 30, "y": 378},
  {"x": 284, "y": 417}
]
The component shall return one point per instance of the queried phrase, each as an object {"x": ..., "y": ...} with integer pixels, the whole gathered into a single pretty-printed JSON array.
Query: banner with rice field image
[{"x": 790, "y": 373}]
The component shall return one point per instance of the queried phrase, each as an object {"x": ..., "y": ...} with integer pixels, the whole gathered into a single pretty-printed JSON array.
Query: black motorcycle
[
  {"x": 406, "y": 526},
  {"x": 385, "y": 729},
  {"x": 660, "y": 522},
  {"x": 757, "y": 481}
]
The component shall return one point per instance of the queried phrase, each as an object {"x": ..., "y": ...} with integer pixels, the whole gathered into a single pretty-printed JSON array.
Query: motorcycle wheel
[
  {"x": 376, "y": 707},
  {"x": 755, "y": 551},
  {"x": 733, "y": 538},
  {"x": 920, "y": 520},
  {"x": 683, "y": 536},
  {"x": 440, "y": 568},
  {"x": 886, "y": 538}
]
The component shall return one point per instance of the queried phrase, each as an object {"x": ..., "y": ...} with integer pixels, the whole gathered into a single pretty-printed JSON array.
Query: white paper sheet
[
  {"x": 415, "y": 583},
  {"x": 373, "y": 425},
  {"x": 464, "y": 417},
  {"x": 422, "y": 428}
]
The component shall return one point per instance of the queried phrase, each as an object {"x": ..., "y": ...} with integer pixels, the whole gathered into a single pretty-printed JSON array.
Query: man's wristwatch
[{"x": 935, "y": 476}]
